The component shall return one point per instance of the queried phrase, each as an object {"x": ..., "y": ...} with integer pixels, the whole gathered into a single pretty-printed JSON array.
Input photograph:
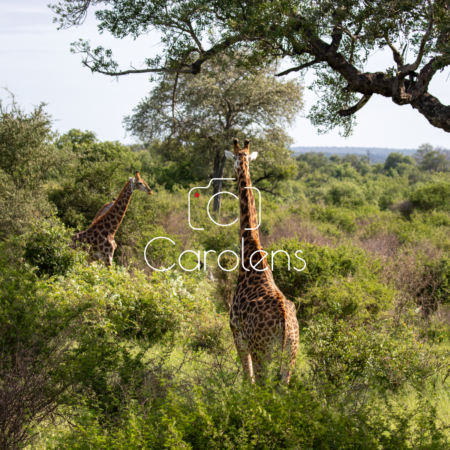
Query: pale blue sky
[{"x": 37, "y": 66}]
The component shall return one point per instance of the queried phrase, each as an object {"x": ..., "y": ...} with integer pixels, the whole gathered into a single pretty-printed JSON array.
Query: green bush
[
  {"x": 338, "y": 281},
  {"x": 344, "y": 298},
  {"x": 379, "y": 355},
  {"x": 115, "y": 318},
  {"x": 113, "y": 301},
  {"x": 243, "y": 418},
  {"x": 46, "y": 247},
  {"x": 432, "y": 196},
  {"x": 341, "y": 217},
  {"x": 346, "y": 194}
]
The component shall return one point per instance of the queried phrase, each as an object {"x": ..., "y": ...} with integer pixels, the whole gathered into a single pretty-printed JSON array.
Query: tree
[
  {"x": 334, "y": 38},
  {"x": 27, "y": 158},
  {"x": 396, "y": 158},
  {"x": 429, "y": 158},
  {"x": 197, "y": 117}
]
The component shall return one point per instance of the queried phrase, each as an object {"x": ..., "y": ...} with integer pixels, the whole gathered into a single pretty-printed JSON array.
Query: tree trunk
[{"x": 218, "y": 173}]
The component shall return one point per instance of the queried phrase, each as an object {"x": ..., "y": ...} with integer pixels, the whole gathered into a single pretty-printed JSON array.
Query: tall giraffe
[
  {"x": 103, "y": 209},
  {"x": 100, "y": 235},
  {"x": 261, "y": 318}
]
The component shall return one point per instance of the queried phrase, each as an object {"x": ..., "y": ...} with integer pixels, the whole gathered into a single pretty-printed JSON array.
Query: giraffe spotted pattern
[
  {"x": 100, "y": 235},
  {"x": 262, "y": 320}
]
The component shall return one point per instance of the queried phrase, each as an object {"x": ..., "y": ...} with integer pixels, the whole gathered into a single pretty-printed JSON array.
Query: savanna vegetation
[{"x": 128, "y": 357}]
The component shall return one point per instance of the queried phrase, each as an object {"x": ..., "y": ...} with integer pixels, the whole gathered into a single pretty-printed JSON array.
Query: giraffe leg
[
  {"x": 290, "y": 352},
  {"x": 289, "y": 358},
  {"x": 108, "y": 253},
  {"x": 261, "y": 358},
  {"x": 245, "y": 357}
]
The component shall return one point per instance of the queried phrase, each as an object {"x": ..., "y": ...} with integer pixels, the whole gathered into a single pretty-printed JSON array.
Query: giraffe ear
[
  {"x": 229, "y": 155},
  {"x": 253, "y": 156}
]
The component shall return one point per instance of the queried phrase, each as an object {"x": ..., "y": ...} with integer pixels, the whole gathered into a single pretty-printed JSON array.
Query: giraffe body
[
  {"x": 103, "y": 209},
  {"x": 100, "y": 235},
  {"x": 262, "y": 320}
]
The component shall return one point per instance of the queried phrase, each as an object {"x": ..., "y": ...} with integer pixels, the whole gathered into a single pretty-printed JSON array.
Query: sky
[{"x": 36, "y": 66}]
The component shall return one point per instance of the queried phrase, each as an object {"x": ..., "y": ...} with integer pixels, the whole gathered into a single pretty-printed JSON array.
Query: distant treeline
[{"x": 377, "y": 154}]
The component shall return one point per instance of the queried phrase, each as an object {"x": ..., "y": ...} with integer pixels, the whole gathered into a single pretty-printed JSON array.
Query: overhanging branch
[
  {"x": 128, "y": 72},
  {"x": 355, "y": 108},
  {"x": 296, "y": 69},
  {"x": 271, "y": 192}
]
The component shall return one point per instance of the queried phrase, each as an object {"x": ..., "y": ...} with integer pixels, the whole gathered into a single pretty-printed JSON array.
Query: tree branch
[
  {"x": 355, "y": 108},
  {"x": 296, "y": 69},
  {"x": 128, "y": 72},
  {"x": 336, "y": 38},
  {"x": 412, "y": 67},
  {"x": 271, "y": 192},
  {"x": 398, "y": 58},
  {"x": 194, "y": 36}
]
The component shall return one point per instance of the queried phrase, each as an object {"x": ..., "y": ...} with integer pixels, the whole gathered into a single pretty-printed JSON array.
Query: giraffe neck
[
  {"x": 249, "y": 238},
  {"x": 112, "y": 219}
]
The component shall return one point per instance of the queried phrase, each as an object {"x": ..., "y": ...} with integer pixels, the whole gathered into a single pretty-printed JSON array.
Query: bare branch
[
  {"x": 296, "y": 69},
  {"x": 355, "y": 108},
  {"x": 127, "y": 72},
  {"x": 194, "y": 36},
  {"x": 175, "y": 86},
  {"x": 398, "y": 58},
  {"x": 415, "y": 65},
  {"x": 271, "y": 192}
]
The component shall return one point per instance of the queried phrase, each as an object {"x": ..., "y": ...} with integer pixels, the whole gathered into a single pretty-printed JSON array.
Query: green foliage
[
  {"x": 115, "y": 318},
  {"x": 396, "y": 159},
  {"x": 302, "y": 33},
  {"x": 46, "y": 246},
  {"x": 220, "y": 417},
  {"x": 432, "y": 159},
  {"x": 380, "y": 354},
  {"x": 114, "y": 302},
  {"x": 345, "y": 193},
  {"x": 97, "y": 173},
  {"x": 27, "y": 157},
  {"x": 339, "y": 282},
  {"x": 26, "y": 151},
  {"x": 212, "y": 108},
  {"x": 342, "y": 218},
  {"x": 432, "y": 196}
]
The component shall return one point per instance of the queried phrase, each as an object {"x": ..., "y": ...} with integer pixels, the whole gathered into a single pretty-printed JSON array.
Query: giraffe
[
  {"x": 103, "y": 209},
  {"x": 100, "y": 234},
  {"x": 261, "y": 318}
]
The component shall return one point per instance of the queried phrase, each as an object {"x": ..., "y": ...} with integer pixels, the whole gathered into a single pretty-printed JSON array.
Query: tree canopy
[
  {"x": 195, "y": 118},
  {"x": 333, "y": 38}
]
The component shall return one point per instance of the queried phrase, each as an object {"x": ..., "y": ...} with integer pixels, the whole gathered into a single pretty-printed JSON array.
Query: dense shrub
[
  {"x": 343, "y": 218},
  {"x": 337, "y": 281},
  {"x": 242, "y": 418},
  {"x": 27, "y": 157},
  {"x": 380, "y": 355},
  {"x": 345, "y": 193},
  {"x": 46, "y": 247},
  {"x": 432, "y": 196}
]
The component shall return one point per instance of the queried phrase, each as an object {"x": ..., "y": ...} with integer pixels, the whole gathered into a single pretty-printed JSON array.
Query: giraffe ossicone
[
  {"x": 100, "y": 234},
  {"x": 261, "y": 318}
]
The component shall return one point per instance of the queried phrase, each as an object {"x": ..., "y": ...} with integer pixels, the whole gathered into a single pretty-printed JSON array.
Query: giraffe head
[
  {"x": 241, "y": 156},
  {"x": 138, "y": 183}
]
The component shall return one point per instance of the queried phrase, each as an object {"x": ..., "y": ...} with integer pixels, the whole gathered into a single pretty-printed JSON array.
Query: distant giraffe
[
  {"x": 100, "y": 235},
  {"x": 261, "y": 318}
]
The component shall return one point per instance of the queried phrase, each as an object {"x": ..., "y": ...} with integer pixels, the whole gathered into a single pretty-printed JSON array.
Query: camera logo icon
[{"x": 211, "y": 199}]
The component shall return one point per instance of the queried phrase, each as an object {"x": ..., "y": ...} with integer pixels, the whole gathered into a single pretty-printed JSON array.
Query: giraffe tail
[{"x": 283, "y": 310}]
